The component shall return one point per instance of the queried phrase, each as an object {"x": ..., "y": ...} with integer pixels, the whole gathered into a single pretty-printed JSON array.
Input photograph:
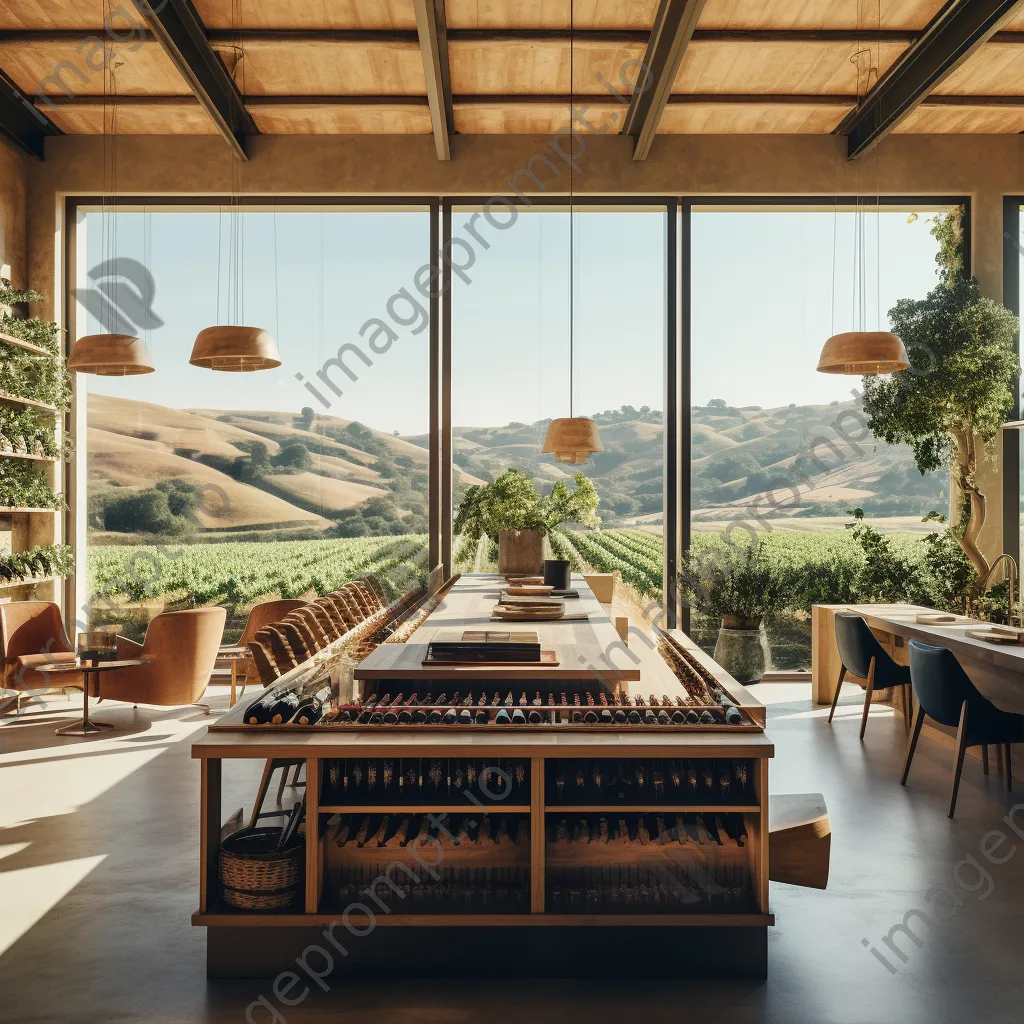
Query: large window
[
  {"x": 511, "y": 372},
  {"x": 228, "y": 488},
  {"x": 779, "y": 449}
]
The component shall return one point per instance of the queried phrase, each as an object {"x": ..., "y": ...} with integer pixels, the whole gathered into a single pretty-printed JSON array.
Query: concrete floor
[{"x": 98, "y": 864}]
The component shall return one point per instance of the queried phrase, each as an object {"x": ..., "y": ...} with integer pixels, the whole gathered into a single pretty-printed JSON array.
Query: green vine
[
  {"x": 27, "y": 375},
  {"x": 23, "y": 485},
  {"x": 29, "y": 432},
  {"x": 37, "y": 563}
]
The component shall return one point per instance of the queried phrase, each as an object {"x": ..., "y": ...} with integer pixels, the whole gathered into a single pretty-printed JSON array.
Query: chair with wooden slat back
[
  {"x": 262, "y": 655},
  {"x": 345, "y": 602},
  {"x": 280, "y": 649},
  {"x": 373, "y": 582},
  {"x": 366, "y": 598},
  {"x": 308, "y": 612},
  {"x": 298, "y": 638},
  {"x": 259, "y": 616},
  {"x": 328, "y": 625}
]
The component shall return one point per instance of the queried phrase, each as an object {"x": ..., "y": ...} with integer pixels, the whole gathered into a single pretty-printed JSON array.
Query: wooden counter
[{"x": 729, "y": 940}]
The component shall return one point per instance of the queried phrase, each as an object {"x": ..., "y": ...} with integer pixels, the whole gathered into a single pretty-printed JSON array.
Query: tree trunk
[{"x": 967, "y": 468}]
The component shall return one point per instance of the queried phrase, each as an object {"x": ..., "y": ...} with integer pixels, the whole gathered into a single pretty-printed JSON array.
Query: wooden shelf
[
  {"x": 26, "y": 455},
  {"x": 9, "y": 511},
  {"x": 9, "y": 339},
  {"x": 30, "y": 402},
  {"x": 652, "y": 808},
  {"x": 246, "y": 919},
  {"x": 435, "y": 808},
  {"x": 10, "y": 585}
]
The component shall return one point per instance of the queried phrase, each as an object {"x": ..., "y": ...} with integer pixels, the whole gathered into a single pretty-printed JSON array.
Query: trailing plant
[
  {"x": 43, "y": 333},
  {"x": 27, "y": 375},
  {"x": 38, "y": 562},
  {"x": 960, "y": 385},
  {"x": 512, "y": 503},
  {"x": 23, "y": 485},
  {"x": 27, "y": 431},
  {"x": 742, "y": 580}
]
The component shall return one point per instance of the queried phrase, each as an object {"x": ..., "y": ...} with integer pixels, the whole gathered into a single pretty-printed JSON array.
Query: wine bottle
[
  {"x": 465, "y": 717},
  {"x": 502, "y": 717},
  {"x": 310, "y": 711},
  {"x": 518, "y": 717},
  {"x": 733, "y": 715},
  {"x": 284, "y": 707},
  {"x": 258, "y": 712}
]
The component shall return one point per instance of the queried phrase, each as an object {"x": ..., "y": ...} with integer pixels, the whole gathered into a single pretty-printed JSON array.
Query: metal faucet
[{"x": 1012, "y": 576}]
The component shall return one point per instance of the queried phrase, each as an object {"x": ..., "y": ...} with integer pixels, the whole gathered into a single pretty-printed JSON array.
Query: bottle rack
[
  {"x": 655, "y": 782},
  {"x": 425, "y": 782}
]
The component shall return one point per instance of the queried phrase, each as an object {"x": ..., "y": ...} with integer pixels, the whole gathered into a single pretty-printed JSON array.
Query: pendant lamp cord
[{"x": 572, "y": 278}]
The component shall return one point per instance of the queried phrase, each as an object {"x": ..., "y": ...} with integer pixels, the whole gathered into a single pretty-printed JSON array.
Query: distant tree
[
  {"x": 306, "y": 417},
  {"x": 960, "y": 385},
  {"x": 259, "y": 461},
  {"x": 352, "y": 527},
  {"x": 142, "y": 512},
  {"x": 385, "y": 508},
  {"x": 293, "y": 456},
  {"x": 731, "y": 467},
  {"x": 182, "y": 496},
  {"x": 716, "y": 403}
]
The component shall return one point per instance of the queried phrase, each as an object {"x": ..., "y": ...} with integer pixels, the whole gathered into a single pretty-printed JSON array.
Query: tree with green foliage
[
  {"x": 306, "y": 417},
  {"x": 960, "y": 385},
  {"x": 293, "y": 456},
  {"x": 511, "y": 503}
]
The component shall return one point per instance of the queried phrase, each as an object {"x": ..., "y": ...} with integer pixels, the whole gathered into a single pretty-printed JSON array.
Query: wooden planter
[{"x": 520, "y": 551}]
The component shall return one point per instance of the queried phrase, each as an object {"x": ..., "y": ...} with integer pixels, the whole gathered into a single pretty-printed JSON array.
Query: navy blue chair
[
  {"x": 946, "y": 695},
  {"x": 864, "y": 657}
]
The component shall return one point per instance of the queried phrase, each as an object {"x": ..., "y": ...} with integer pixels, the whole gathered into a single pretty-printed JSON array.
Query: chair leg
[
  {"x": 869, "y": 690},
  {"x": 835, "y": 696},
  {"x": 984, "y": 759},
  {"x": 1009, "y": 770},
  {"x": 200, "y": 704},
  {"x": 261, "y": 791},
  {"x": 961, "y": 749},
  {"x": 915, "y": 735}
]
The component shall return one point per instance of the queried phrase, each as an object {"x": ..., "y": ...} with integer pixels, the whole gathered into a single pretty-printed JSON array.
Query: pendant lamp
[
  {"x": 110, "y": 355},
  {"x": 234, "y": 349},
  {"x": 863, "y": 353},
  {"x": 231, "y": 348},
  {"x": 571, "y": 439}
]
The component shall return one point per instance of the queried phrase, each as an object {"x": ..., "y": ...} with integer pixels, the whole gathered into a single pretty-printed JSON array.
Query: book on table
[{"x": 484, "y": 645}]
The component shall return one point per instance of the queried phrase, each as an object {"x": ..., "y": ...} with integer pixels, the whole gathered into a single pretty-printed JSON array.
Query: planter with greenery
[
  {"x": 739, "y": 585},
  {"x": 959, "y": 389},
  {"x": 512, "y": 512},
  {"x": 37, "y": 563}
]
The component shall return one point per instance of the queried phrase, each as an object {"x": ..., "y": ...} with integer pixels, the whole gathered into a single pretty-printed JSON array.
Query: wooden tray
[
  {"x": 546, "y": 658},
  {"x": 992, "y": 637}
]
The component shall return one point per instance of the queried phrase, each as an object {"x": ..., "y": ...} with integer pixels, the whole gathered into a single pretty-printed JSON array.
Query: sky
[{"x": 767, "y": 289}]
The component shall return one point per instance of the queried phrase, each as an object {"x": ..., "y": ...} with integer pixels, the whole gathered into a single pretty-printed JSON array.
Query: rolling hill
[{"x": 271, "y": 471}]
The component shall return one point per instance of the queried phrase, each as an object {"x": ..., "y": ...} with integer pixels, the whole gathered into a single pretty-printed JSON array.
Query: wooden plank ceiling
[{"x": 356, "y": 66}]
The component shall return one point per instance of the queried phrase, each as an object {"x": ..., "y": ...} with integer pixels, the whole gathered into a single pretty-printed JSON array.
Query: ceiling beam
[
  {"x": 528, "y": 99},
  {"x": 674, "y": 25},
  {"x": 20, "y": 122},
  {"x": 951, "y": 37},
  {"x": 182, "y": 34},
  {"x": 431, "y": 27}
]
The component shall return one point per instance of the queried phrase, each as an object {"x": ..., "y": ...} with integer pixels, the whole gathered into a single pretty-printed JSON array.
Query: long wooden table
[
  {"x": 583, "y": 650},
  {"x": 997, "y": 670}
]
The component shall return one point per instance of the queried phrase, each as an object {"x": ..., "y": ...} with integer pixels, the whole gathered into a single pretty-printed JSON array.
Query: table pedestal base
[{"x": 83, "y": 728}]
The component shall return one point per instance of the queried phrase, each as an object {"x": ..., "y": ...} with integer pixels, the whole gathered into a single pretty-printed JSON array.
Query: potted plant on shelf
[
  {"x": 738, "y": 584},
  {"x": 512, "y": 512}
]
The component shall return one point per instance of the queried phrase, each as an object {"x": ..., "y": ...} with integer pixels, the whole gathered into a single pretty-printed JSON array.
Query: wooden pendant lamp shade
[
  {"x": 235, "y": 349},
  {"x": 110, "y": 355},
  {"x": 572, "y": 439},
  {"x": 863, "y": 353}
]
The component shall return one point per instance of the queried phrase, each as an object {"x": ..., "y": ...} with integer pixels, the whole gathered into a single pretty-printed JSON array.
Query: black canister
[{"x": 556, "y": 573}]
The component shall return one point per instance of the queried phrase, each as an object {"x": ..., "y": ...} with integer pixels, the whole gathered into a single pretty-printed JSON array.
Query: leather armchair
[
  {"x": 181, "y": 648},
  {"x": 32, "y": 634}
]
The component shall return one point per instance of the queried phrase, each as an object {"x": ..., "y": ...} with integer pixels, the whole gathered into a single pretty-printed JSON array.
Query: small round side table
[{"x": 87, "y": 727}]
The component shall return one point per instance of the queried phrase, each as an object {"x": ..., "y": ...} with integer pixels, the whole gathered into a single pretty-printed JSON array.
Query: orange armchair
[
  {"x": 181, "y": 648},
  {"x": 32, "y": 634}
]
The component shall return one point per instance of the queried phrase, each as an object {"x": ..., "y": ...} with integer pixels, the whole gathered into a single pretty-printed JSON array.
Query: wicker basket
[{"x": 255, "y": 876}]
